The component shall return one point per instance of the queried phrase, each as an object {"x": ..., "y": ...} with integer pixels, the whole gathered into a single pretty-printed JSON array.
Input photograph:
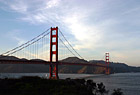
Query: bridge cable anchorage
[
  {"x": 70, "y": 44},
  {"x": 26, "y": 42},
  {"x": 66, "y": 46}
]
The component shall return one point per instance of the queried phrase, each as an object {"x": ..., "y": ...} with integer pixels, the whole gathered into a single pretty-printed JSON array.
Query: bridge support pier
[{"x": 54, "y": 53}]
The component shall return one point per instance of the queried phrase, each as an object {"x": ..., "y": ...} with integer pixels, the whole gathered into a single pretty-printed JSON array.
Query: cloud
[
  {"x": 16, "y": 35},
  {"x": 15, "y": 5},
  {"x": 52, "y": 3},
  {"x": 94, "y": 26},
  {"x": 85, "y": 34},
  {"x": 70, "y": 17},
  {"x": 19, "y": 40},
  {"x": 19, "y": 6}
]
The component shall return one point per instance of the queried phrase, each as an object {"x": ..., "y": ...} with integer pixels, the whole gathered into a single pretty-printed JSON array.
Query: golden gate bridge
[{"x": 50, "y": 47}]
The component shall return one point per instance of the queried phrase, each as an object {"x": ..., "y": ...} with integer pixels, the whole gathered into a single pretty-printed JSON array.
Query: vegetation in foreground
[{"x": 40, "y": 86}]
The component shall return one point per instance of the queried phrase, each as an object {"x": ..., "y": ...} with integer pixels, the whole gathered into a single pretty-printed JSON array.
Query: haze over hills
[{"x": 41, "y": 68}]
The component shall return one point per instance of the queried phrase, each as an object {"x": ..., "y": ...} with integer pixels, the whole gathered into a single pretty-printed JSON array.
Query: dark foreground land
[{"x": 40, "y": 86}]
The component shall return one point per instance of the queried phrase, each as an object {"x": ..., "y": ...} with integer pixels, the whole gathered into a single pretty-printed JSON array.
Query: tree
[
  {"x": 117, "y": 92},
  {"x": 101, "y": 89}
]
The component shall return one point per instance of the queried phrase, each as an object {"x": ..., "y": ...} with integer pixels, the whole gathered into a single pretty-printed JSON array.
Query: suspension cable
[
  {"x": 70, "y": 45},
  {"x": 26, "y": 42},
  {"x": 66, "y": 46}
]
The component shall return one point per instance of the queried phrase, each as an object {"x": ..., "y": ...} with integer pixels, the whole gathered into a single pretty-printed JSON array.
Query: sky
[{"x": 94, "y": 27}]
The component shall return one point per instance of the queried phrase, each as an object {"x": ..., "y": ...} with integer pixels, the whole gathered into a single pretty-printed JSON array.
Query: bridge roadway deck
[{"x": 47, "y": 63}]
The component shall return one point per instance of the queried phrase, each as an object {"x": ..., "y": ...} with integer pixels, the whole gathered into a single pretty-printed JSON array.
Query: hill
[
  {"x": 118, "y": 67},
  {"x": 40, "y": 68}
]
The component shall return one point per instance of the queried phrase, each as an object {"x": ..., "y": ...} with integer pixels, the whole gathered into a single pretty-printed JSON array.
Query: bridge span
[{"x": 34, "y": 49}]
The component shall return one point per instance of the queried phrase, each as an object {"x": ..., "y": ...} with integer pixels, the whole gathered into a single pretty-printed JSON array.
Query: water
[{"x": 128, "y": 82}]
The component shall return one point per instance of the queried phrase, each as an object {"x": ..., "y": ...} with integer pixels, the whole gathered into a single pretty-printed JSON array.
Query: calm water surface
[{"x": 128, "y": 82}]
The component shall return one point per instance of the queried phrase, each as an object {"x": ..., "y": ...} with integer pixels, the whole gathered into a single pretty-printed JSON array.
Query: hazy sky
[{"x": 92, "y": 26}]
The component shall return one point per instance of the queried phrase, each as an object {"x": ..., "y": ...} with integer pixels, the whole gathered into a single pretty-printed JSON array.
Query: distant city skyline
[{"x": 94, "y": 27}]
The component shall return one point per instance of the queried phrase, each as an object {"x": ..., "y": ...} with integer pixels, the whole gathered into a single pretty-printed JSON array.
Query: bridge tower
[
  {"x": 54, "y": 53},
  {"x": 107, "y": 63}
]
